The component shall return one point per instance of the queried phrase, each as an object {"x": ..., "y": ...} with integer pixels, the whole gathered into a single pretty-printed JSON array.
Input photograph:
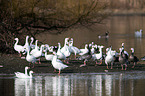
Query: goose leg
[
  {"x": 107, "y": 65},
  {"x": 99, "y": 63},
  {"x": 84, "y": 63},
  {"x": 133, "y": 65},
  {"x": 67, "y": 60},
  {"x": 59, "y": 72},
  {"x": 125, "y": 66},
  {"x": 39, "y": 61},
  {"x": 111, "y": 65},
  {"x": 20, "y": 54},
  {"x": 54, "y": 70},
  {"x": 122, "y": 67}
]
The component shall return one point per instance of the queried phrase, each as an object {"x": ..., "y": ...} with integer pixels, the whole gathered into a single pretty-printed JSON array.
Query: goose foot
[
  {"x": 82, "y": 65},
  {"x": 132, "y": 67}
]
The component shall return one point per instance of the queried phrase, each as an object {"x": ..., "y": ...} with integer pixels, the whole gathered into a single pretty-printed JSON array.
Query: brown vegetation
[{"x": 30, "y": 17}]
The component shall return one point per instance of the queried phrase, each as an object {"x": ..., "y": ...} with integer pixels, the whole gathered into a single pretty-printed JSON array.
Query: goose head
[
  {"x": 16, "y": 39},
  {"x": 66, "y": 41},
  {"x": 32, "y": 39},
  {"x": 122, "y": 44},
  {"x": 86, "y": 45},
  {"x": 27, "y": 37},
  {"x": 26, "y": 68},
  {"x": 30, "y": 73},
  {"x": 132, "y": 49}
]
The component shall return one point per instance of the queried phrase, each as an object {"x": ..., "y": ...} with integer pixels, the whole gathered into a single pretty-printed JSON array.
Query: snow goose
[
  {"x": 72, "y": 48},
  {"x": 48, "y": 57},
  {"x": 17, "y": 47},
  {"x": 84, "y": 51},
  {"x": 35, "y": 49},
  {"x": 20, "y": 74},
  {"x": 65, "y": 48},
  {"x": 24, "y": 76},
  {"x": 59, "y": 53},
  {"x": 109, "y": 58},
  {"x": 30, "y": 58},
  {"x": 138, "y": 33},
  {"x": 38, "y": 53},
  {"x": 133, "y": 58},
  {"x": 27, "y": 46},
  {"x": 31, "y": 43},
  {"x": 98, "y": 56},
  {"x": 58, "y": 64}
]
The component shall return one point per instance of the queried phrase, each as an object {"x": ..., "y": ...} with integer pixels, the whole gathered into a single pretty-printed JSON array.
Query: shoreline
[
  {"x": 130, "y": 12},
  {"x": 13, "y": 63}
]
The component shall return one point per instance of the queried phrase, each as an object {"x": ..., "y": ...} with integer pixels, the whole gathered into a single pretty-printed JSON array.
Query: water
[{"x": 92, "y": 84}]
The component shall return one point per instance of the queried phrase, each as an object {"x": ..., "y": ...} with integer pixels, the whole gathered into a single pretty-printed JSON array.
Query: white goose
[
  {"x": 113, "y": 52},
  {"x": 27, "y": 46},
  {"x": 98, "y": 56},
  {"x": 17, "y": 47},
  {"x": 18, "y": 74},
  {"x": 35, "y": 49},
  {"x": 24, "y": 76},
  {"x": 31, "y": 43},
  {"x": 58, "y": 64},
  {"x": 138, "y": 33},
  {"x": 109, "y": 58},
  {"x": 30, "y": 58},
  {"x": 65, "y": 49},
  {"x": 38, "y": 53},
  {"x": 48, "y": 57},
  {"x": 59, "y": 53},
  {"x": 84, "y": 51},
  {"x": 73, "y": 49}
]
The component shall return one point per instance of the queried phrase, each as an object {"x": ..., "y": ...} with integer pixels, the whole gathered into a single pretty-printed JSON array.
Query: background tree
[{"x": 30, "y": 17}]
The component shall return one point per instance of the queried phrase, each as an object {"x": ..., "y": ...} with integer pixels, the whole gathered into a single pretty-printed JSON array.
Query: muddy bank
[{"x": 12, "y": 63}]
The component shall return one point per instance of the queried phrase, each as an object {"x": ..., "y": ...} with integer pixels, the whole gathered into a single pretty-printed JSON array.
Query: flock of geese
[{"x": 59, "y": 56}]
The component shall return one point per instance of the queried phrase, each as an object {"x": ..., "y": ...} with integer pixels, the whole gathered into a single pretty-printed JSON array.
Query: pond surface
[{"x": 76, "y": 84}]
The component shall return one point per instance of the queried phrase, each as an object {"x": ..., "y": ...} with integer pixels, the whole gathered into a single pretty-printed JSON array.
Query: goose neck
[
  {"x": 41, "y": 48},
  {"x": 27, "y": 40},
  {"x": 36, "y": 44},
  {"x": 30, "y": 75},
  {"x": 26, "y": 71},
  {"x": 17, "y": 40}
]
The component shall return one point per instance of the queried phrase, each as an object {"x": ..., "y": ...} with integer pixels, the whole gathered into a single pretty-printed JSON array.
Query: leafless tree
[{"x": 30, "y": 17}]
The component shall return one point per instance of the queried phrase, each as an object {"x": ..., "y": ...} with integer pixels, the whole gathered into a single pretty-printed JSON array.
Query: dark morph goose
[{"x": 133, "y": 58}]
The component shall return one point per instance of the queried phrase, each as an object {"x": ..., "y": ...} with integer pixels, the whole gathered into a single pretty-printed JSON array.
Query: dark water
[
  {"x": 121, "y": 30},
  {"x": 92, "y": 84}
]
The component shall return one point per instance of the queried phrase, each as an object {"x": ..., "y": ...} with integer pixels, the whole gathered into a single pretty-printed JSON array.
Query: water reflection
[
  {"x": 120, "y": 84},
  {"x": 23, "y": 87}
]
